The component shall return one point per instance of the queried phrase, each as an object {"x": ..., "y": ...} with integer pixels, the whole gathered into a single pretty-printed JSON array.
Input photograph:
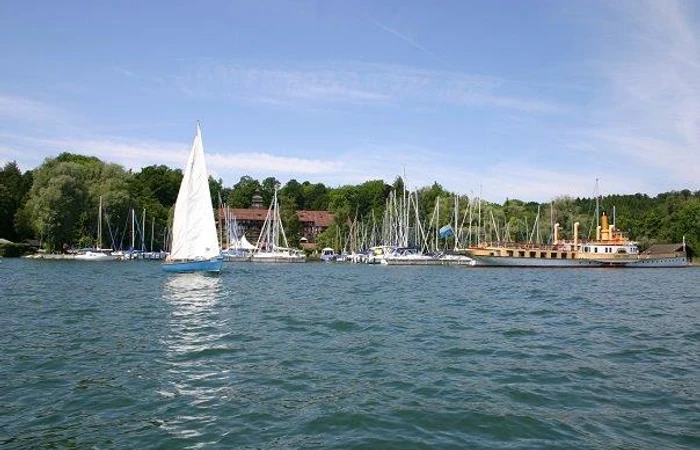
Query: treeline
[{"x": 58, "y": 203}]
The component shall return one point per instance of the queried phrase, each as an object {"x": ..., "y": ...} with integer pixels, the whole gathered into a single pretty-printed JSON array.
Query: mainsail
[{"x": 194, "y": 227}]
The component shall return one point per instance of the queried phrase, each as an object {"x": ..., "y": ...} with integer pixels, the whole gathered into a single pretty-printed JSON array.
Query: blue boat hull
[{"x": 209, "y": 265}]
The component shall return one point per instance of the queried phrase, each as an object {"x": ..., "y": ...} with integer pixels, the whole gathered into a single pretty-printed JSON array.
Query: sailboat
[
  {"x": 239, "y": 248},
  {"x": 271, "y": 236},
  {"x": 195, "y": 245},
  {"x": 96, "y": 253}
]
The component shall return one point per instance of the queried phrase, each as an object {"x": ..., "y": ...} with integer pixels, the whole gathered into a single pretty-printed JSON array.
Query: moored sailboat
[
  {"x": 272, "y": 244},
  {"x": 195, "y": 245},
  {"x": 96, "y": 253}
]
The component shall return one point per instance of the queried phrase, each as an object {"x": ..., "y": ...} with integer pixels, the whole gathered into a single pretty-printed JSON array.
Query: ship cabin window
[
  {"x": 595, "y": 249},
  {"x": 521, "y": 253},
  {"x": 492, "y": 254},
  {"x": 510, "y": 252},
  {"x": 533, "y": 254},
  {"x": 563, "y": 255},
  {"x": 543, "y": 254},
  {"x": 621, "y": 250}
]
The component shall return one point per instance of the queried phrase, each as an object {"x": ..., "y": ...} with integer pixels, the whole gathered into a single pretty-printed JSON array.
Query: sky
[{"x": 507, "y": 99}]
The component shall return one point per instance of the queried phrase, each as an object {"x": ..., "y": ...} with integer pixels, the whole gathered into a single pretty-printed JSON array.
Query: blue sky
[{"x": 521, "y": 99}]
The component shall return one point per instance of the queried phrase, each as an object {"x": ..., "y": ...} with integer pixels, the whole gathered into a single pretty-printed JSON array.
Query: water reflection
[
  {"x": 191, "y": 290},
  {"x": 194, "y": 376}
]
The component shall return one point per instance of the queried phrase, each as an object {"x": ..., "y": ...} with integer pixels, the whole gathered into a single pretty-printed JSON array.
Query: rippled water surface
[{"x": 121, "y": 355}]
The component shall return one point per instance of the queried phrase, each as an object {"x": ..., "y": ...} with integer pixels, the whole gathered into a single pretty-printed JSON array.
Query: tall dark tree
[
  {"x": 315, "y": 196},
  {"x": 294, "y": 193},
  {"x": 267, "y": 189},
  {"x": 10, "y": 185},
  {"x": 160, "y": 182},
  {"x": 242, "y": 193}
]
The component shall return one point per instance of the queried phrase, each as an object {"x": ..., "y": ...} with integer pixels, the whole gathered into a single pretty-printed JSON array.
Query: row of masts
[
  {"x": 401, "y": 226},
  {"x": 137, "y": 229}
]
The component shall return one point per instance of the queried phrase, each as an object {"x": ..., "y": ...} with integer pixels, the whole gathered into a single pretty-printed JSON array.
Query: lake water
[{"x": 121, "y": 355}]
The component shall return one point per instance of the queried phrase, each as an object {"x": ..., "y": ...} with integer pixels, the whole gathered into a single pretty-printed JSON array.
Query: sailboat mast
[
  {"x": 457, "y": 227},
  {"x": 272, "y": 231},
  {"x": 143, "y": 230},
  {"x": 133, "y": 234},
  {"x": 478, "y": 231},
  {"x": 437, "y": 224},
  {"x": 220, "y": 213},
  {"x": 99, "y": 225},
  {"x": 597, "y": 206}
]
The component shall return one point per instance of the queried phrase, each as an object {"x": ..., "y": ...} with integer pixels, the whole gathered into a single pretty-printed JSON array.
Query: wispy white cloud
[
  {"x": 124, "y": 71},
  {"x": 410, "y": 41},
  {"x": 245, "y": 163},
  {"x": 421, "y": 167},
  {"x": 648, "y": 113},
  {"x": 228, "y": 164},
  {"x": 355, "y": 83},
  {"x": 26, "y": 109}
]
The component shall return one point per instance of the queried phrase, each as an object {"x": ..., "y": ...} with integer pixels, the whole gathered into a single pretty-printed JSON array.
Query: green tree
[
  {"x": 294, "y": 193},
  {"x": 13, "y": 190},
  {"x": 159, "y": 182},
  {"x": 290, "y": 220},
  {"x": 267, "y": 189},
  {"x": 57, "y": 207},
  {"x": 242, "y": 193},
  {"x": 63, "y": 202},
  {"x": 315, "y": 196}
]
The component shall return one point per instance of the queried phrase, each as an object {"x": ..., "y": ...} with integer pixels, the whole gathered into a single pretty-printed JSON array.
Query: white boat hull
[
  {"x": 506, "y": 261},
  {"x": 95, "y": 256},
  {"x": 274, "y": 257},
  {"x": 398, "y": 261}
]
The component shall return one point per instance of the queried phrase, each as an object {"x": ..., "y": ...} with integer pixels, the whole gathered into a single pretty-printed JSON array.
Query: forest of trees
[{"x": 57, "y": 204}]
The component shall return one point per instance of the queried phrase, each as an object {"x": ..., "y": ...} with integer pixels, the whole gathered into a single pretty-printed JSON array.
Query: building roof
[
  {"x": 318, "y": 218},
  {"x": 659, "y": 249},
  {"x": 249, "y": 213}
]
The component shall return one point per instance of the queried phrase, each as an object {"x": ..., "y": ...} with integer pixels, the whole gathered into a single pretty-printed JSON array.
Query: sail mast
[{"x": 99, "y": 225}]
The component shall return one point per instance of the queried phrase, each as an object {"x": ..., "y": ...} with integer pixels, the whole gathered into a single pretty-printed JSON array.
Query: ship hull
[
  {"x": 208, "y": 265},
  {"x": 274, "y": 257},
  {"x": 506, "y": 261},
  {"x": 393, "y": 261}
]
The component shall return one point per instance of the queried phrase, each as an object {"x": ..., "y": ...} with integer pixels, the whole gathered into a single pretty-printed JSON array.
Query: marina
[{"x": 391, "y": 240}]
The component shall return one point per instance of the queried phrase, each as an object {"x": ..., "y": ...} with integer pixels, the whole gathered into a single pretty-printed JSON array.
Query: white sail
[{"x": 194, "y": 227}]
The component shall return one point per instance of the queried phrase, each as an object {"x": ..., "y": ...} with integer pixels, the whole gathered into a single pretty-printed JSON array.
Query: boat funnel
[
  {"x": 556, "y": 233},
  {"x": 576, "y": 236},
  {"x": 605, "y": 227}
]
